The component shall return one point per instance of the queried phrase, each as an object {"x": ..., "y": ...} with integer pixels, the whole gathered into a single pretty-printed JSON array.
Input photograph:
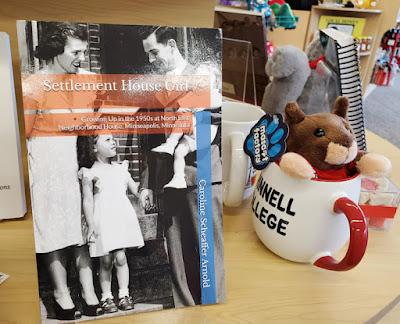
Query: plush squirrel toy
[{"x": 323, "y": 146}]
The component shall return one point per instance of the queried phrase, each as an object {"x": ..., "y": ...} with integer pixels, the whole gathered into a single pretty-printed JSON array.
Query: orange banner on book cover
[
  {"x": 85, "y": 124},
  {"x": 76, "y": 91}
]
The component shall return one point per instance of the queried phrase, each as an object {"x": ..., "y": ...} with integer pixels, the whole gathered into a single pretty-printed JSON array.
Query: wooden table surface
[{"x": 260, "y": 286}]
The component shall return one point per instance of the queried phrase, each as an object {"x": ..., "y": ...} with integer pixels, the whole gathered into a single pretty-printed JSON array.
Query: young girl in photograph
[{"x": 112, "y": 221}]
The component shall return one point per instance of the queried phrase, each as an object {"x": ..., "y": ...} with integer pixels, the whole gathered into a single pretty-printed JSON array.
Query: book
[
  {"x": 123, "y": 136},
  {"x": 12, "y": 189},
  {"x": 349, "y": 25}
]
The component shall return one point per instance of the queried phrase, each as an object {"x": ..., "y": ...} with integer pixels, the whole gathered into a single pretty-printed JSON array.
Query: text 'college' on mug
[
  {"x": 238, "y": 175},
  {"x": 308, "y": 221}
]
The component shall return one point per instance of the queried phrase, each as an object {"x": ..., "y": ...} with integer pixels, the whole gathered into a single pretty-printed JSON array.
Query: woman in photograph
[{"x": 53, "y": 163}]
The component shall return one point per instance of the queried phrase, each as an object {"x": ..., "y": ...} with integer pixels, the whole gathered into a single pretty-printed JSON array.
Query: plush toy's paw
[
  {"x": 296, "y": 166},
  {"x": 374, "y": 165}
]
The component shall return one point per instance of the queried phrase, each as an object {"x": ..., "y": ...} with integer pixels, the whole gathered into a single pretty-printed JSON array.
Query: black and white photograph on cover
[{"x": 116, "y": 215}]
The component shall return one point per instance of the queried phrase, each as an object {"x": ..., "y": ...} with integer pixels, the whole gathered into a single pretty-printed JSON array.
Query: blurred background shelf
[
  {"x": 373, "y": 20},
  {"x": 356, "y": 10},
  {"x": 365, "y": 53}
]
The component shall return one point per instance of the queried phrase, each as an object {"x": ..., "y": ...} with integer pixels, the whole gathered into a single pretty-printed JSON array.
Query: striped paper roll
[{"x": 349, "y": 80}]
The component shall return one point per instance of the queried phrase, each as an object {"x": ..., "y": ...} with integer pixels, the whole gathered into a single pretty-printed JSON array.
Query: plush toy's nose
[
  {"x": 348, "y": 142},
  {"x": 338, "y": 154}
]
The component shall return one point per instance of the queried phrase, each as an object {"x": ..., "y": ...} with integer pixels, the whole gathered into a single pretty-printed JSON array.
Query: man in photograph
[
  {"x": 163, "y": 53},
  {"x": 181, "y": 219}
]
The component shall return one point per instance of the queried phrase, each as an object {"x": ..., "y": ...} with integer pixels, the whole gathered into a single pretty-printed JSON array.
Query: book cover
[
  {"x": 12, "y": 190},
  {"x": 123, "y": 135},
  {"x": 349, "y": 25}
]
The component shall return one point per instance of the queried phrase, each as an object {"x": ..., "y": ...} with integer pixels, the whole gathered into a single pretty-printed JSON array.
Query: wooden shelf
[
  {"x": 369, "y": 11},
  {"x": 363, "y": 54},
  {"x": 236, "y": 10},
  {"x": 373, "y": 20}
]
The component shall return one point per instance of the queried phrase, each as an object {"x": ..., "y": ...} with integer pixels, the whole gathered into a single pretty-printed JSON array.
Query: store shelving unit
[{"x": 371, "y": 28}]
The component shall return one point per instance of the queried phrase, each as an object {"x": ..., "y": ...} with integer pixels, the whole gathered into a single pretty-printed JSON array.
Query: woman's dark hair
[
  {"x": 85, "y": 151},
  {"x": 54, "y": 37}
]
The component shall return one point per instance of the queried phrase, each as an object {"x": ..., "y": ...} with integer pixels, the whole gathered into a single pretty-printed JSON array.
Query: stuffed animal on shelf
[
  {"x": 323, "y": 146},
  {"x": 260, "y": 6},
  {"x": 289, "y": 68},
  {"x": 284, "y": 16},
  {"x": 320, "y": 90}
]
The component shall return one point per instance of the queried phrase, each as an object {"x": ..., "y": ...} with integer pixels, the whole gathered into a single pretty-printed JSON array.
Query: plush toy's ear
[
  {"x": 341, "y": 106},
  {"x": 293, "y": 113}
]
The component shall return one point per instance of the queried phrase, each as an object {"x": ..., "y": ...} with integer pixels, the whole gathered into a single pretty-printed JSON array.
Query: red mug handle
[{"x": 358, "y": 237}]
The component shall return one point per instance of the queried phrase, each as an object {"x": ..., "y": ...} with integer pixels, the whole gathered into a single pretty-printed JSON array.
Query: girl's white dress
[{"x": 115, "y": 220}]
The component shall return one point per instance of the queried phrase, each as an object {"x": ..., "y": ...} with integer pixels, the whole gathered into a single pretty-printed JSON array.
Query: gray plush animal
[
  {"x": 289, "y": 68},
  {"x": 316, "y": 96}
]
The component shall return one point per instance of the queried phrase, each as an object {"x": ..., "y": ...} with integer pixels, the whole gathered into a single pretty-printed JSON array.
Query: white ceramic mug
[
  {"x": 310, "y": 220},
  {"x": 238, "y": 175}
]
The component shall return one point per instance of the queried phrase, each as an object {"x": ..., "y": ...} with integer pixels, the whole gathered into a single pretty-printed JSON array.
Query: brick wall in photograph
[
  {"x": 128, "y": 149},
  {"x": 127, "y": 145}
]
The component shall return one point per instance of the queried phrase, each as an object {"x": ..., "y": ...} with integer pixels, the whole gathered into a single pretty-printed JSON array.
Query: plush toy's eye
[{"x": 319, "y": 132}]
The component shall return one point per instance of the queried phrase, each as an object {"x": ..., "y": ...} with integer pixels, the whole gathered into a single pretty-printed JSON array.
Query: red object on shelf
[
  {"x": 378, "y": 211},
  {"x": 382, "y": 76},
  {"x": 270, "y": 48},
  {"x": 378, "y": 215},
  {"x": 313, "y": 64},
  {"x": 279, "y": 2},
  {"x": 390, "y": 42}
]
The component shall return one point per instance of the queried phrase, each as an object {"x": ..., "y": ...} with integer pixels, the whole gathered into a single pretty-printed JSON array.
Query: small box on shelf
[
  {"x": 379, "y": 201},
  {"x": 364, "y": 45}
]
